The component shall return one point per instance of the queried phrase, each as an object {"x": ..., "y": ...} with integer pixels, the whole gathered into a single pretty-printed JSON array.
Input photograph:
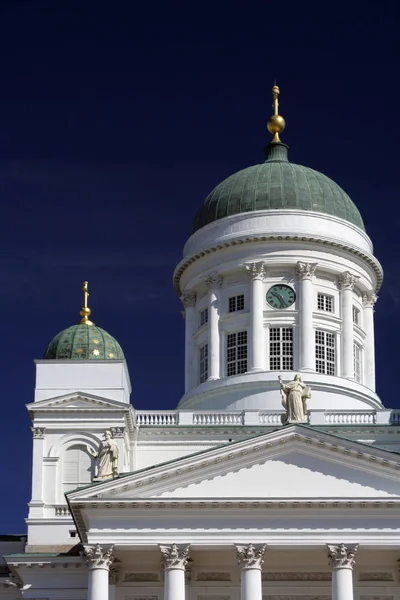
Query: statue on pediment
[
  {"x": 294, "y": 399},
  {"x": 107, "y": 455}
]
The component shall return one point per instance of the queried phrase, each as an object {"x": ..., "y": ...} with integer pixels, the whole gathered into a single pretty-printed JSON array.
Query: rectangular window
[
  {"x": 281, "y": 349},
  {"x": 203, "y": 317},
  {"x": 236, "y": 303},
  {"x": 203, "y": 370},
  {"x": 356, "y": 315},
  {"x": 325, "y": 302},
  {"x": 236, "y": 353},
  {"x": 325, "y": 352},
  {"x": 357, "y": 362}
]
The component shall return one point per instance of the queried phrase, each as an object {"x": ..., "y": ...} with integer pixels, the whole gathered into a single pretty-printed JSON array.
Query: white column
[
  {"x": 250, "y": 561},
  {"x": 214, "y": 282},
  {"x": 174, "y": 560},
  {"x": 189, "y": 302},
  {"x": 256, "y": 272},
  {"x": 37, "y": 501},
  {"x": 341, "y": 558},
  {"x": 99, "y": 562},
  {"x": 369, "y": 300},
  {"x": 306, "y": 272},
  {"x": 346, "y": 282}
]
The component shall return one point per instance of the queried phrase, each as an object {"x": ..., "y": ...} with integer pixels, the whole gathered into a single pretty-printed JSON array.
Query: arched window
[{"x": 78, "y": 468}]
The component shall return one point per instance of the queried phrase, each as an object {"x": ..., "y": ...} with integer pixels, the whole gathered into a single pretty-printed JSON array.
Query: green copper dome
[
  {"x": 84, "y": 342},
  {"x": 274, "y": 185}
]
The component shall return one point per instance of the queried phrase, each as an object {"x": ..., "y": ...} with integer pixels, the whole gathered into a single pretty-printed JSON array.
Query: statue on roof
[
  {"x": 107, "y": 456},
  {"x": 294, "y": 399}
]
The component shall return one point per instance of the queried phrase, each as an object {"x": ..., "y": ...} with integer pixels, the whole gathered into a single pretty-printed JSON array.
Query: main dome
[
  {"x": 84, "y": 342},
  {"x": 274, "y": 185}
]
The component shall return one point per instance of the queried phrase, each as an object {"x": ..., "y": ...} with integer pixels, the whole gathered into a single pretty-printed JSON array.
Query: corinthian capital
[
  {"x": 174, "y": 557},
  {"x": 306, "y": 270},
  {"x": 369, "y": 299},
  {"x": 347, "y": 281},
  {"x": 213, "y": 281},
  {"x": 341, "y": 556},
  {"x": 38, "y": 433},
  {"x": 188, "y": 299},
  {"x": 97, "y": 558},
  {"x": 256, "y": 270},
  {"x": 249, "y": 557}
]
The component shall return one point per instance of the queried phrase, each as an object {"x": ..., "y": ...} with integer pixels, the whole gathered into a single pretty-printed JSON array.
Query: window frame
[
  {"x": 357, "y": 360},
  {"x": 241, "y": 353},
  {"x": 235, "y": 303},
  {"x": 328, "y": 363},
  {"x": 203, "y": 363},
  {"x": 326, "y": 300},
  {"x": 203, "y": 317},
  {"x": 280, "y": 343}
]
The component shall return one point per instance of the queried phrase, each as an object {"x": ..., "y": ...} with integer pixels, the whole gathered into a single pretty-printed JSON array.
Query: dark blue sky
[{"x": 116, "y": 123}]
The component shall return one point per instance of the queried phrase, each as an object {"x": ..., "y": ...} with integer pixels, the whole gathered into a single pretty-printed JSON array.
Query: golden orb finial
[
  {"x": 276, "y": 123},
  {"x": 85, "y": 310}
]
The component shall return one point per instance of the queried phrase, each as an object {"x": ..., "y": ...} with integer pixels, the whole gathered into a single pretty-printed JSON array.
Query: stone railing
[
  {"x": 267, "y": 418},
  {"x": 61, "y": 511},
  {"x": 218, "y": 418},
  {"x": 350, "y": 417},
  {"x": 156, "y": 418}
]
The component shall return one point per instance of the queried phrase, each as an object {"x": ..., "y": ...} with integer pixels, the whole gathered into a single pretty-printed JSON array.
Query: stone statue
[
  {"x": 107, "y": 456},
  {"x": 294, "y": 399}
]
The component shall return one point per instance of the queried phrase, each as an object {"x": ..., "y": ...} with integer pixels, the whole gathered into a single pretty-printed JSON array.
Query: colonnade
[
  {"x": 257, "y": 348},
  {"x": 250, "y": 559}
]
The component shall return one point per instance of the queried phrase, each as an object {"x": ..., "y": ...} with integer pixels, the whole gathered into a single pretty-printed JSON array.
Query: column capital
[
  {"x": 98, "y": 558},
  {"x": 249, "y": 557},
  {"x": 347, "y": 281},
  {"x": 369, "y": 299},
  {"x": 38, "y": 432},
  {"x": 174, "y": 556},
  {"x": 341, "y": 556},
  {"x": 213, "y": 281},
  {"x": 306, "y": 270},
  {"x": 188, "y": 298},
  {"x": 118, "y": 432},
  {"x": 256, "y": 270}
]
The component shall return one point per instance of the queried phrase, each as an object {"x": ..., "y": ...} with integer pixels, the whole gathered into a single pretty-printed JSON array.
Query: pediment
[
  {"x": 77, "y": 401},
  {"x": 294, "y": 462}
]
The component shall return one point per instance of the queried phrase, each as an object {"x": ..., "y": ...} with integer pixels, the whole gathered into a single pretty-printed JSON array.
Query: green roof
[
  {"x": 277, "y": 184},
  {"x": 84, "y": 342}
]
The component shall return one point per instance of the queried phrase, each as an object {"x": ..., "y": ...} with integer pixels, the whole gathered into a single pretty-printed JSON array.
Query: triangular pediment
[
  {"x": 76, "y": 400},
  {"x": 294, "y": 462}
]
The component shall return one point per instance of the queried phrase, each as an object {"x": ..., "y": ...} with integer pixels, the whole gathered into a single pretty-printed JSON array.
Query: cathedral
[{"x": 277, "y": 475}]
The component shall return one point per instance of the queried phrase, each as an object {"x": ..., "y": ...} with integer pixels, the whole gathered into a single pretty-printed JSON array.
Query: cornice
[
  {"x": 368, "y": 258},
  {"x": 209, "y": 463}
]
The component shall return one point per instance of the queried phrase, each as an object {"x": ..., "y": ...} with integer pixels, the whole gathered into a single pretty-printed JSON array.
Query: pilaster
[{"x": 369, "y": 300}]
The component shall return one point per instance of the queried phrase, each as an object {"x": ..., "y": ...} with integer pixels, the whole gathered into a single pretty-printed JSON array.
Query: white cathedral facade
[{"x": 277, "y": 477}]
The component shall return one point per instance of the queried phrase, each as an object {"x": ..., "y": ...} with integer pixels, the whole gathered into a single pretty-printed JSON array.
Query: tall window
[
  {"x": 281, "y": 349},
  {"x": 356, "y": 315},
  {"x": 203, "y": 366},
  {"x": 77, "y": 468},
  {"x": 357, "y": 362},
  {"x": 203, "y": 317},
  {"x": 325, "y": 302},
  {"x": 236, "y": 303},
  {"x": 236, "y": 353},
  {"x": 325, "y": 352}
]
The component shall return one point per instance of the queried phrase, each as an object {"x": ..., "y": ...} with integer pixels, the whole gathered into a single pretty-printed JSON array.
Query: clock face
[{"x": 281, "y": 296}]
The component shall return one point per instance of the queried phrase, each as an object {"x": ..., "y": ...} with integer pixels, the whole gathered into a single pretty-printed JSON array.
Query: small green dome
[
  {"x": 277, "y": 184},
  {"x": 84, "y": 342}
]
